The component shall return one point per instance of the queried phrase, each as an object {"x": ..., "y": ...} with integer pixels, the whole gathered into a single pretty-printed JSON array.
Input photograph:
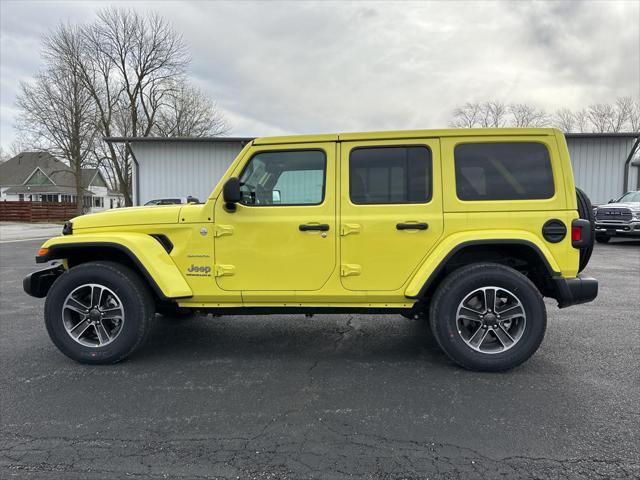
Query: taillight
[
  {"x": 581, "y": 233},
  {"x": 576, "y": 233}
]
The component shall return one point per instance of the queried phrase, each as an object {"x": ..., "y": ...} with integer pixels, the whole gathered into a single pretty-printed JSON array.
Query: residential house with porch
[{"x": 41, "y": 177}]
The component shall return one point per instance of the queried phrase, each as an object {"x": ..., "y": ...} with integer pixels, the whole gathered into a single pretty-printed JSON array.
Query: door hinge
[
  {"x": 221, "y": 230},
  {"x": 348, "y": 228},
  {"x": 225, "y": 270},
  {"x": 350, "y": 270}
]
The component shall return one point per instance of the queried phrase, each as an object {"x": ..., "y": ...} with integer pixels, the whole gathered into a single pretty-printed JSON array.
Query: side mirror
[
  {"x": 611, "y": 200},
  {"x": 231, "y": 193}
]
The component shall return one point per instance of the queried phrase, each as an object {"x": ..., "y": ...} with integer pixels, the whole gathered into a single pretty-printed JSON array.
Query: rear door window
[
  {"x": 503, "y": 171},
  {"x": 383, "y": 175}
]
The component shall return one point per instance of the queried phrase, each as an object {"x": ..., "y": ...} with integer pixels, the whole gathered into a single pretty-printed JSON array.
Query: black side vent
[
  {"x": 554, "y": 231},
  {"x": 164, "y": 241}
]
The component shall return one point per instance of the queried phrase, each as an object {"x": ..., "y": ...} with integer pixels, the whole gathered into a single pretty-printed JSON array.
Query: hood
[
  {"x": 129, "y": 216},
  {"x": 631, "y": 205}
]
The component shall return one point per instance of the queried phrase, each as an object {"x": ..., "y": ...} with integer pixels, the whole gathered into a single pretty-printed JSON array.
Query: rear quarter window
[{"x": 503, "y": 171}]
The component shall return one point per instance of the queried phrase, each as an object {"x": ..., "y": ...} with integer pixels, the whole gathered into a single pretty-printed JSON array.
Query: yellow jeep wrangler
[{"x": 468, "y": 229}]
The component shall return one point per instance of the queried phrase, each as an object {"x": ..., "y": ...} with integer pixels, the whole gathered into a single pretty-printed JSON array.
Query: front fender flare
[
  {"x": 143, "y": 250},
  {"x": 453, "y": 243}
]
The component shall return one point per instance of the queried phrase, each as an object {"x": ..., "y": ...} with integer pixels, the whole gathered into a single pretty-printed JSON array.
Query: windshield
[{"x": 630, "y": 197}]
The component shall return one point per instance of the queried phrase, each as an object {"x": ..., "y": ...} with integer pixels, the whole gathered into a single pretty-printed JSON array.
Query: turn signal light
[{"x": 42, "y": 252}]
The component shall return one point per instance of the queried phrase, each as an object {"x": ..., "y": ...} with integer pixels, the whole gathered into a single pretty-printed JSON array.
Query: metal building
[
  {"x": 178, "y": 167},
  {"x": 602, "y": 164}
]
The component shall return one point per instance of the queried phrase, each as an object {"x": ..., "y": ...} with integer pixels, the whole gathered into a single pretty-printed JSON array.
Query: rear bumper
[
  {"x": 37, "y": 284},
  {"x": 572, "y": 291}
]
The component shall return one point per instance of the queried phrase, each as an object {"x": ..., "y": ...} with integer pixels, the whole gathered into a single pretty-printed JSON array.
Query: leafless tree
[
  {"x": 621, "y": 113},
  {"x": 189, "y": 113},
  {"x": 565, "y": 120},
  {"x": 56, "y": 109},
  {"x": 474, "y": 114},
  {"x": 466, "y": 116},
  {"x": 23, "y": 142},
  {"x": 130, "y": 64},
  {"x": 525, "y": 115},
  {"x": 634, "y": 116},
  {"x": 4, "y": 154},
  {"x": 494, "y": 113},
  {"x": 600, "y": 116},
  {"x": 582, "y": 120}
]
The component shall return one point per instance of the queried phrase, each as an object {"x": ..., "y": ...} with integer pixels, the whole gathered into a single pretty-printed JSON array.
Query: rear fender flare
[{"x": 437, "y": 260}]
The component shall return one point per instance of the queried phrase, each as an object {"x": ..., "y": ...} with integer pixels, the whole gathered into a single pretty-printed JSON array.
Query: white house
[{"x": 41, "y": 177}]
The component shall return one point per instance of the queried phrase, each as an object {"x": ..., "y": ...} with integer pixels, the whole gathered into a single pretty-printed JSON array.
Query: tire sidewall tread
[
  {"x": 137, "y": 302},
  {"x": 460, "y": 283}
]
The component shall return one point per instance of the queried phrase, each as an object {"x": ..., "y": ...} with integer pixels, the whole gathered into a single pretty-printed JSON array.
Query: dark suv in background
[{"x": 619, "y": 218}]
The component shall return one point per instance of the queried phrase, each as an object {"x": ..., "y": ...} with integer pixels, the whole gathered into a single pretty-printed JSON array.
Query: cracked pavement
[{"x": 331, "y": 397}]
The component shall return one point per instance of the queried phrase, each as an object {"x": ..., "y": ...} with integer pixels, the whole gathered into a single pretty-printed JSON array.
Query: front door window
[{"x": 284, "y": 178}]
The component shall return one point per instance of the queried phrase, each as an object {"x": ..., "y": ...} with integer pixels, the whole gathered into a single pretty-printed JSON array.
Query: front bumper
[
  {"x": 572, "y": 291},
  {"x": 619, "y": 228},
  {"x": 37, "y": 284}
]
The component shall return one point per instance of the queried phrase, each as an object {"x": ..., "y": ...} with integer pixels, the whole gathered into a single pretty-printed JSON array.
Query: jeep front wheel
[
  {"x": 488, "y": 317},
  {"x": 98, "y": 312}
]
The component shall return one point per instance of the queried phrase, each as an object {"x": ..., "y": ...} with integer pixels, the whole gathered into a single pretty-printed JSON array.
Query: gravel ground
[{"x": 332, "y": 397}]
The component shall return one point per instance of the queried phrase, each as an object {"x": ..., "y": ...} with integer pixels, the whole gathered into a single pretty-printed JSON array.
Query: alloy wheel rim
[
  {"x": 491, "y": 320},
  {"x": 93, "y": 315}
]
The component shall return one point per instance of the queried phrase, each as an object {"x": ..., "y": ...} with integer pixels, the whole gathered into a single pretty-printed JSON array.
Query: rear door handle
[
  {"x": 306, "y": 227},
  {"x": 412, "y": 226}
]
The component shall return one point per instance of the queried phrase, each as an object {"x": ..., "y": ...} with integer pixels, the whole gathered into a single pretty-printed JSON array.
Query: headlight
[{"x": 636, "y": 215}]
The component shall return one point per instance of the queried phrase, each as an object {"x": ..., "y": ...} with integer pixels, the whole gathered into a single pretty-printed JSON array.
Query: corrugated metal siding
[
  {"x": 598, "y": 166},
  {"x": 634, "y": 178},
  {"x": 177, "y": 169}
]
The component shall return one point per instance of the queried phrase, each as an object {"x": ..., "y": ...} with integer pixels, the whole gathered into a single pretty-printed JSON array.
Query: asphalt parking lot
[{"x": 359, "y": 396}]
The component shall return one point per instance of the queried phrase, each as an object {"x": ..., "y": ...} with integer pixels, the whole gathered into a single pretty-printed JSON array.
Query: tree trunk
[{"x": 79, "y": 190}]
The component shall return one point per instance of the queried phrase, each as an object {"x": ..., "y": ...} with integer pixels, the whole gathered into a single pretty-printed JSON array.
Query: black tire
[
  {"x": 460, "y": 283},
  {"x": 600, "y": 238},
  {"x": 585, "y": 211},
  {"x": 137, "y": 303}
]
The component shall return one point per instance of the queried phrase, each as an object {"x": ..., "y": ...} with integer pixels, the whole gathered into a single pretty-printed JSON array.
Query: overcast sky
[{"x": 309, "y": 67}]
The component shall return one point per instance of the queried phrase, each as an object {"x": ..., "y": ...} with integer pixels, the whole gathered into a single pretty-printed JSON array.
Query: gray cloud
[{"x": 297, "y": 67}]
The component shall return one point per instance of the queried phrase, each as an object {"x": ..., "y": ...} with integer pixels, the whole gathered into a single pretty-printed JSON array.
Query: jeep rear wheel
[
  {"x": 98, "y": 312},
  {"x": 488, "y": 317}
]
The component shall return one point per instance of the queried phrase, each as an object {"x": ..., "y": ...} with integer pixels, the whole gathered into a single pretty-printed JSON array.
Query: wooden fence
[{"x": 36, "y": 211}]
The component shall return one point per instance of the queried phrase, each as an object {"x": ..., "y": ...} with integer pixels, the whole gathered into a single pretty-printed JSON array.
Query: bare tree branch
[
  {"x": 524, "y": 115},
  {"x": 565, "y": 120},
  {"x": 56, "y": 108}
]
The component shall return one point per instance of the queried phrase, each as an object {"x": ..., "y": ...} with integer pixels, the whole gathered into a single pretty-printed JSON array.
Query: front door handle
[
  {"x": 307, "y": 227},
  {"x": 412, "y": 226}
]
